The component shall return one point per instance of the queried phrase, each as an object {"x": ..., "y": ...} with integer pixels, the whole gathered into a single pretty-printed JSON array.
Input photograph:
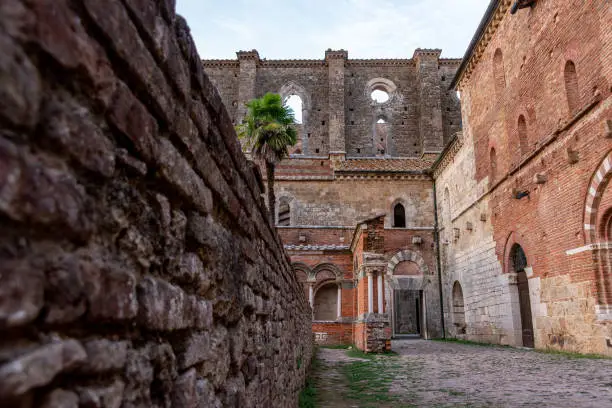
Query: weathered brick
[{"x": 21, "y": 292}]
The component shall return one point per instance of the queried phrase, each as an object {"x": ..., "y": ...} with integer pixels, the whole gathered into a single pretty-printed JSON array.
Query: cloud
[{"x": 305, "y": 29}]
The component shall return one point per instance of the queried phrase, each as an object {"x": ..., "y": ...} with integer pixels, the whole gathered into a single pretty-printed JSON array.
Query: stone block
[
  {"x": 104, "y": 356},
  {"x": 60, "y": 399},
  {"x": 21, "y": 292},
  {"x": 20, "y": 85},
  {"x": 166, "y": 307},
  {"x": 185, "y": 392},
  {"x": 39, "y": 367},
  {"x": 70, "y": 127},
  {"x": 110, "y": 396},
  {"x": 177, "y": 171},
  {"x": 192, "y": 349}
]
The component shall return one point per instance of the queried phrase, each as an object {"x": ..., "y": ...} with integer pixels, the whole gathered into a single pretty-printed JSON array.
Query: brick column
[
  {"x": 246, "y": 86},
  {"x": 430, "y": 99},
  {"x": 335, "y": 63}
]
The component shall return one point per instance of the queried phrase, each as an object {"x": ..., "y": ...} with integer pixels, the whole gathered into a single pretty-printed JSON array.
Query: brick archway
[
  {"x": 597, "y": 185},
  {"x": 407, "y": 255},
  {"x": 324, "y": 267}
]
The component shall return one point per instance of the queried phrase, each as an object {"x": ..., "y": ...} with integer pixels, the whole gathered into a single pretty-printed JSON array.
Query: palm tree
[{"x": 267, "y": 130}]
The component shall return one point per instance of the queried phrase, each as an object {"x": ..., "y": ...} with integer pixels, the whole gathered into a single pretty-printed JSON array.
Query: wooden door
[{"x": 525, "y": 305}]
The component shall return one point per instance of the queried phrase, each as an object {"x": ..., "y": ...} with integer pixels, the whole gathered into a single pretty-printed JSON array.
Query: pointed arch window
[
  {"x": 498, "y": 72},
  {"x": 571, "y": 87},
  {"x": 399, "y": 216},
  {"x": 284, "y": 214},
  {"x": 522, "y": 134}
]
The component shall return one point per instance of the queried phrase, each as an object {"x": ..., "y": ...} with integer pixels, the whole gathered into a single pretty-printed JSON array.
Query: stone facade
[
  {"x": 137, "y": 265},
  {"x": 346, "y": 177},
  {"x": 531, "y": 171},
  {"x": 339, "y": 116}
]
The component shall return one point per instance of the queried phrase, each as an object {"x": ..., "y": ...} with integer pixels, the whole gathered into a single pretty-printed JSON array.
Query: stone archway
[{"x": 405, "y": 284}]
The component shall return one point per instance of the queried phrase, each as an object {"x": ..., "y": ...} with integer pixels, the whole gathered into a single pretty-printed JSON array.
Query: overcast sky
[{"x": 295, "y": 29}]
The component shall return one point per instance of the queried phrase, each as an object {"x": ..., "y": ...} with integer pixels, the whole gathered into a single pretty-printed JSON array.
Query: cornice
[
  {"x": 488, "y": 27},
  {"x": 448, "y": 154}
]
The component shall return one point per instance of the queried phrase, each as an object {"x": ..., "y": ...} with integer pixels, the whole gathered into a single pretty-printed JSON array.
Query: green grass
[
  {"x": 308, "y": 395},
  {"x": 570, "y": 354},
  {"x": 335, "y": 346},
  {"x": 367, "y": 381}
]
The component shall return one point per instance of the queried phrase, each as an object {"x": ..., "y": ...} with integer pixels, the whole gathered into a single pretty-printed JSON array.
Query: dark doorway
[
  {"x": 408, "y": 310},
  {"x": 399, "y": 216},
  {"x": 519, "y": 263}
]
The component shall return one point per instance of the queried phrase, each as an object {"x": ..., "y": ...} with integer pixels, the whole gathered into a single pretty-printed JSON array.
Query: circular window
[{"x": 379, "y": 96}]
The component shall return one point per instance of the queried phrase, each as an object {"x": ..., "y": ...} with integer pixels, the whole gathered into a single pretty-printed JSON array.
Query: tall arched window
[
  {"x": 458, "y": 308},
  {"x": 492, "y": 166},
  {"x": 295, "y": 103},
  {"x": 381, "y": 136},
  {"x": 522, "y": 134},
  {"x": 284, "y": 213},
  {"x": 399, "y": 216},
  {"x": 498, "y": 72},
  {"x": 571, "y": 87}
]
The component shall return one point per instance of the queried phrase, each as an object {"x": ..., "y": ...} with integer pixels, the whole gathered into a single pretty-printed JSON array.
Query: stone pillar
[
  {"x": 379, "y": 291},
  {"x": 335, "y": 63},
  {"x": 246, "y": 86},
  {"x": 339, "y": 301},
  {"x": 311, "y": 295},
  {"x": 430, "y": 100},
  {"x": 370, "y": 292}
]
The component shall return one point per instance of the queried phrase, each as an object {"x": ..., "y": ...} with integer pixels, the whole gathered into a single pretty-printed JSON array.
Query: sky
[{"x": 304, "y": 29}]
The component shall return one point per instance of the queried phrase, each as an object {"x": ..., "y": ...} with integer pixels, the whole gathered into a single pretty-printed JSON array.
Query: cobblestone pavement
[{"x": 445, "y": 374}]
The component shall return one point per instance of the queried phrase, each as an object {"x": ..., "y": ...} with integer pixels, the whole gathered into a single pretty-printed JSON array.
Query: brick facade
[{"x": 536, "y": 89}]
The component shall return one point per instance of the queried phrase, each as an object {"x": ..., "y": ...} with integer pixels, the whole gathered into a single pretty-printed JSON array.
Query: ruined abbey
[
  {"x": 426, "y": 197},
  {"x": 415, "y": 216}
]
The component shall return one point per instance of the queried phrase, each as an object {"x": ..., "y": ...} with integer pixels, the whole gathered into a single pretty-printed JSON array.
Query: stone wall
[
  {"x": 339, "y": 115},
  {"x": 137, "y": 266}
]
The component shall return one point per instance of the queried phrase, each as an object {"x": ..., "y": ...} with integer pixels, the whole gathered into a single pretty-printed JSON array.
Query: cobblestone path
[{"x": 446, "y": 374}]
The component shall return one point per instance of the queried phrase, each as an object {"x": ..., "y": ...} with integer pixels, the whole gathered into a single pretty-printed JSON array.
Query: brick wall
[
  {"x": 137, "y": 268},
  {"x": 567, "y": 294}
]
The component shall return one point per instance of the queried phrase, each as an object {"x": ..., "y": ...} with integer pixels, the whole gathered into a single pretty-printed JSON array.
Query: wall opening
[
  {"x": 446, "y": 208},
  {"x": 498, "y": 73},
  {"x": 522, "y": 135},
  {"x": 381, "y": 136},
  {"x": 518, "y": 263},
  {"x": 458, "y": 309},
  {"x": 571, "y": 87},
  {"x": 296, "y": 104},
  {"x": 326, "y": 302},
  {"x": 399, "y": 216},
  {"x": 284, "y": 213},
  {"x": 379, "y": 95}
]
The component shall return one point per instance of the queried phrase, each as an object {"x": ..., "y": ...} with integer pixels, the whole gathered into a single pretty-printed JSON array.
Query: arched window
[
  {"x": 458, "y": 308},
  {"x": 492, "y": 166},
  {"x": 571, "y": 87},
  {"x": 379, "y": 95},
  {"x": 295, "y": 103},
  {"x": 284, "y": 213},
  {"x": 381, "y": 136},
  {"x": 326, "y": 302},
  {"x": 522, "y": 134},
  {"x": 498, "y": 72},
  {"x": 399, "y": 216}
]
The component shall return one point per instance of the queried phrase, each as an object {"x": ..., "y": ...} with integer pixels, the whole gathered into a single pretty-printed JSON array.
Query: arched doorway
[
  {"x": 325, "y": 302},
  {"x": 518, "y": 263}
]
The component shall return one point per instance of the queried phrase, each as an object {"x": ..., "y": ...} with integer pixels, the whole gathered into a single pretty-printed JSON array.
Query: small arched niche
[{"x": 458, "y": 308}]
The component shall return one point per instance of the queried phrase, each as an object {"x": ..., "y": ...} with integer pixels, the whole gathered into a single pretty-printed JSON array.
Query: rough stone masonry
[{"x": 137, "y": 266}]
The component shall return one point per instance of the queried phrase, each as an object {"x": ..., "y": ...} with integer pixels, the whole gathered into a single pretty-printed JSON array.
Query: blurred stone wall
[{"x": 137, "y": 265}]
